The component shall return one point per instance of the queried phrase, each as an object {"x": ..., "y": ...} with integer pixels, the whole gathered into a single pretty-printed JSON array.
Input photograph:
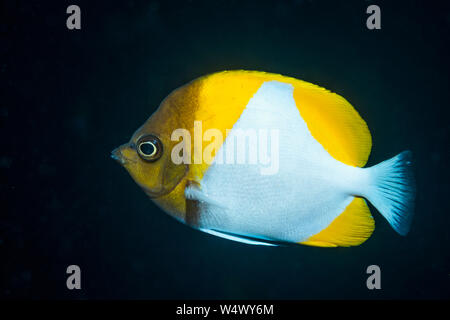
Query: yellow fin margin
[
  {"x": 330, "y": 118},
  {"x": 351, "y": 228},
  {"x": 334, "y": 123}
]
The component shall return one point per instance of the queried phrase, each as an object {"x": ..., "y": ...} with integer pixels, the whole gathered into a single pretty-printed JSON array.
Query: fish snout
[{"x": 117, "y": 154}]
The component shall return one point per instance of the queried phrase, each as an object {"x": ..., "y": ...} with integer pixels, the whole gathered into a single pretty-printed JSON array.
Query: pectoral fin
[{"x": 196, "y": 201}]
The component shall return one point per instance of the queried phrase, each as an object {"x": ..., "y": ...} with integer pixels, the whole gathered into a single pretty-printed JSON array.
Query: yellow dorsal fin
[
  {"x": 351, "y": 228},
  {"x": 330, "y": 118},
  {"x": 334, "y": 123}
]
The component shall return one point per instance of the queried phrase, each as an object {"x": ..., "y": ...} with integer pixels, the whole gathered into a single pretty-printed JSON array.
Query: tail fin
[{"x": 392, "y": 191}]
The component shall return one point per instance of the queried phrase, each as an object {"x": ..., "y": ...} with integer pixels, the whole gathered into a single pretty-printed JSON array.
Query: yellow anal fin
[{"x": 351, "y": 228}]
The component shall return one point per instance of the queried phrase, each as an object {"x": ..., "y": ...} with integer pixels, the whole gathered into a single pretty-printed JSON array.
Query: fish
[{"x": 266, "y": 159}]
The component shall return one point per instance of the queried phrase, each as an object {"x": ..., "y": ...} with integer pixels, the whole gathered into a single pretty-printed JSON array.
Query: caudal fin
[{"x": 392, "y": 191}]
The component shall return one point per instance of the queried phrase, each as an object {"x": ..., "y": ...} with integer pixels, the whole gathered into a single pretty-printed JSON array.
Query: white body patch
[{"x": 307, "y": 193}]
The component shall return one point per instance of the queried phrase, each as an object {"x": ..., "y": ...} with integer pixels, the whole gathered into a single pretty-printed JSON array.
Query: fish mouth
[{"x": 117, "y": 155}]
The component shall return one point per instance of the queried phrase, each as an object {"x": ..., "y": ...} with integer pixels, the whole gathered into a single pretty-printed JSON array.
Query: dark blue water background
[{"x": 69, "y": 97}]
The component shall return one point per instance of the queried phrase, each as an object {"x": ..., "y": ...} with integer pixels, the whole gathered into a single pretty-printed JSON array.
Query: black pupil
[{"x": 147, "y": 148}]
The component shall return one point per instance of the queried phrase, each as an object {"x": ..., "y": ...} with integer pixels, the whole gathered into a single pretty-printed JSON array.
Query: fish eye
[{"x": 149, "y": 148}]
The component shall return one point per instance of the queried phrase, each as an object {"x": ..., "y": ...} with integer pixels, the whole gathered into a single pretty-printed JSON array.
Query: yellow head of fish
[{"x": 147, "y": 156}]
